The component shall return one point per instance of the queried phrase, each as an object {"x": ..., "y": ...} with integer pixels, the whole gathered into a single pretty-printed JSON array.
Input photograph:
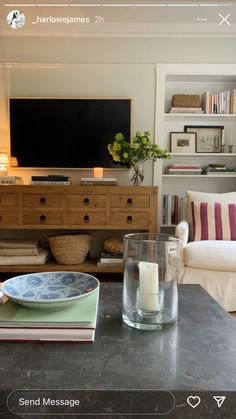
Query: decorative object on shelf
[
  {"x": 98, "y": 172},
  {"x": 4, "y": 163},
  {"x": 209, "y": 138},
  {"x": 223, "y": 148},
  {"x": 113, "y": 245},
  {"x": 230, "y": 148},
  {"x": 186, "y": 101},
  {"x": 131, "y": 154},
  {"x": 70, "y": 249},
  {"x": 183, "y": 142},
  {"x": 49, "y": 289},
  {"x": 150, "y": 280}
]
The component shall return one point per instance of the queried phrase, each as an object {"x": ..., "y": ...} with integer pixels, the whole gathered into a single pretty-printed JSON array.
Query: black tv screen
[{"x": 66, "y": 133}]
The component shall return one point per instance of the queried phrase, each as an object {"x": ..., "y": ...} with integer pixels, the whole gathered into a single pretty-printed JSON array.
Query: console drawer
[
  {"x": 41, "y": 200},
  {"x": 40, "y": 217},
  {"x": 86, "y": 201},
  {"x": 132, "y": 219},
  {"x": 86, "y": 218},
  {"x": 130, "y": 201},
  {"x": 9, "y": 200},
  {"x": 9, "y": 218}
]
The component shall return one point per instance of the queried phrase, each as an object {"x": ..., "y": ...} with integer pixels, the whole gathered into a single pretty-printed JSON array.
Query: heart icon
[{"x": 193, "y": 401}]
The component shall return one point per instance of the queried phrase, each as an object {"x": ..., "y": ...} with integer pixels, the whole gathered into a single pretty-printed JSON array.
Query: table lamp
[{"x": 4, "y": 163}]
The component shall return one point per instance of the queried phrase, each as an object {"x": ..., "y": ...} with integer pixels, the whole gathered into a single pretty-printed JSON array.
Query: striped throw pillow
[{"x": 213, "y": 221}]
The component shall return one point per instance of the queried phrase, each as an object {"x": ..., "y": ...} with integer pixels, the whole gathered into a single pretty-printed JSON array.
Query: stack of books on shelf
[
  {"x": 104, "y": 181},
  {"x": 189, "y": 109},
  {"x": 218, "y": 170},
  {"x": 74, "y": 323},
  {"x": 111, "y": 259},
  {"x": 11, "y": 180},
  {"x": 219, "y": 103},
  {"x": 182, "y": 103},
  {"x": 22, "y": 252},
  {"x": 173, "y": 209},
  {"x": 51, "y": 180},
  {"x": 184, "y": 169}
]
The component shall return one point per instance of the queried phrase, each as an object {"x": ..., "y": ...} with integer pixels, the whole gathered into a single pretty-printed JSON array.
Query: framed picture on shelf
[
  {"x": 209, "y": 138},
  {"x": 183, "y": 142}
]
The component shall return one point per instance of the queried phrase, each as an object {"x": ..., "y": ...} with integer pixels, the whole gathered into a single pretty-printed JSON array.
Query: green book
[{"x": 77, "y": 322}]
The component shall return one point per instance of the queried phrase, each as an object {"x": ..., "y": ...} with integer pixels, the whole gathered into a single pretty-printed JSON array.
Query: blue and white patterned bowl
[{"x": 49, "y": 289}]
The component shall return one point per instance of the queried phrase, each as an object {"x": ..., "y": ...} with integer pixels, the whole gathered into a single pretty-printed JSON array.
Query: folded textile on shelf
[
  {"x": 19, "y": 251},
  {"x": 19, "y": 244},
  {"x": 39, "y": 259}
]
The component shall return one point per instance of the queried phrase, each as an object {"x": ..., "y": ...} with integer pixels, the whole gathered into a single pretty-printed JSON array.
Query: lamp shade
[
  {"x": 4, "y": 160},
  {"x": 4, "y": 163}
]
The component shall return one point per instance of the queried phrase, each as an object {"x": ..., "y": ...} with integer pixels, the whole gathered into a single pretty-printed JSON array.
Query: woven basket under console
[{"x": 70, "y": 249}]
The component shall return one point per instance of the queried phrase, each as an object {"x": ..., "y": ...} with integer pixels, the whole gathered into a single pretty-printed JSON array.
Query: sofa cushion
[
  {"x": 211, "y": 254},
  {"x": 213, "y": 221},
  {"x": 225, "y": 198}
]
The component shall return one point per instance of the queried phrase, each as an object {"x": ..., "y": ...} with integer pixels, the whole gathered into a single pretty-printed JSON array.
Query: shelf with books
[
  {"x": 200, "y": 117},
  {"x": 178, "y": 80}
]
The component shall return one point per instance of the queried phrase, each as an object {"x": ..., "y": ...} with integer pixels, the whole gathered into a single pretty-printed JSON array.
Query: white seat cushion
[{"x": 218, "y": 255}]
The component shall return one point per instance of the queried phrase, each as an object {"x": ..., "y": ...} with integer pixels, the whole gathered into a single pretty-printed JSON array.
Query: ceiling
[{"x": 122, "y": 18}]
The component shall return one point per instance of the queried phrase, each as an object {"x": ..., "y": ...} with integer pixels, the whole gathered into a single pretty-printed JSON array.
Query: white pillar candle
[
  {"x": 148, "y": 286},
  {"x": 98, "y": 172}
]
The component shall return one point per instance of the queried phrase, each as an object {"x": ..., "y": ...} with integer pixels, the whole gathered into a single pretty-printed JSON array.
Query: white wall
[{"x": 97, "y": 67}]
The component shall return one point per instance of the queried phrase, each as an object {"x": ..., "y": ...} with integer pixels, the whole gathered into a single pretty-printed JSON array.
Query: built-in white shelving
[{"x": 192, "y": 79}]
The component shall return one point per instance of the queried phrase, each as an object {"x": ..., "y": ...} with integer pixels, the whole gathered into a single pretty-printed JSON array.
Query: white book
[{"x": 99, "y": 179}]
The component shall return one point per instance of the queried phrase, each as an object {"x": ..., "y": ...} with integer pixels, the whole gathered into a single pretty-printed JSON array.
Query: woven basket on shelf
[{"x": 70, "y": 249}]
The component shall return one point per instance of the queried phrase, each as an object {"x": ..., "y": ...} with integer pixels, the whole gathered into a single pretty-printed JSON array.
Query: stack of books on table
[
  {"x": 104, "y": 181},
  {"x": 218, "y": 170},
  {"x": 51, "y": 180},
  {"x": 11, "y": 180},
  {"x": 184, "y": 169},
  {"x": 111, "y": 259},
  {"x": 74, "y": 323}
]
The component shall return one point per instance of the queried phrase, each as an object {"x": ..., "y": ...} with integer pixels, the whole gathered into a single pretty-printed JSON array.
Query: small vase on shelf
[{"x": 136, "y": 173}]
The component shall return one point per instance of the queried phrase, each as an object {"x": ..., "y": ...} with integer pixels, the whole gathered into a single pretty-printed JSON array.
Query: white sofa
[{"x": 210, "y": 263}]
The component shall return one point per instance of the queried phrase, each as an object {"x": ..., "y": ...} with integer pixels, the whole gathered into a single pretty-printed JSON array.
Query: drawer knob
[
  {"x": 42, "y": 201},
  {"x": 129, "y": 202},
  {"x": 86, "y": 201},
  {"x": 86, "y": 219},
  {"x": 43, "y": 218},
  {"x": 129, "y": 219}
]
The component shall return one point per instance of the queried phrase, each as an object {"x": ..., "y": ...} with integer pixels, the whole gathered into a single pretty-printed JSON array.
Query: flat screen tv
[{"x": 66, "y": 133}]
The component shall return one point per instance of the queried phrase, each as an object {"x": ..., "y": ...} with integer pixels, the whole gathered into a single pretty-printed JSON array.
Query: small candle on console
[
  {"x": 98, "y": 172},
  {"x": 148, "y": 286}
]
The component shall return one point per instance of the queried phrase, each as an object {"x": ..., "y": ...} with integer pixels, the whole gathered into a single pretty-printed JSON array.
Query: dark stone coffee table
[{"x": 197, "y": 356}]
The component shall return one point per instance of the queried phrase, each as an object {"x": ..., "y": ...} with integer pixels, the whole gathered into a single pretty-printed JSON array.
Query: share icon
[{"x": 219, "y": 400}]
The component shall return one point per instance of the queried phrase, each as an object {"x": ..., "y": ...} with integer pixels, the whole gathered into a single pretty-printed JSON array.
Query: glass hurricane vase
[{"x": 136, "y": 174}]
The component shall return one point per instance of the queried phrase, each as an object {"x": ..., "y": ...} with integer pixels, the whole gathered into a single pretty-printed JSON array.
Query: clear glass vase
[
  {"x": 150, "y": 298},
  {"x": 136, "y": 173}
]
